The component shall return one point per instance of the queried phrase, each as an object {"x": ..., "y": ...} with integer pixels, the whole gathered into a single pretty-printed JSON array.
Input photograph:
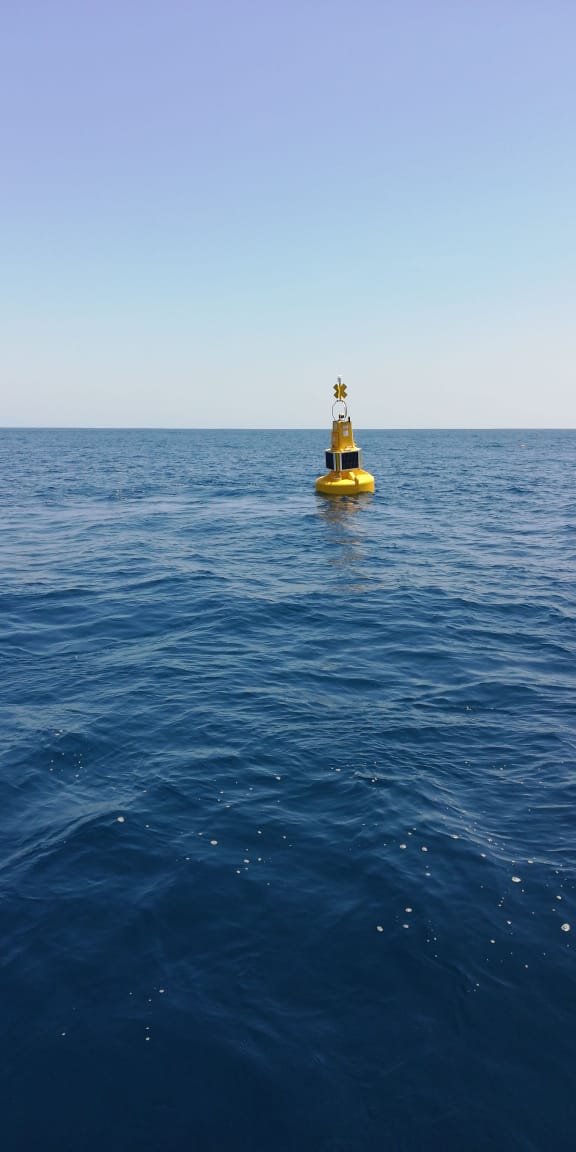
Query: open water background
[{"x": 287, "y": 794}]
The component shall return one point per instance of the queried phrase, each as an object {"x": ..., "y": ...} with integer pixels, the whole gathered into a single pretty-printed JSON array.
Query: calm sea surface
[{"x": 287, "y": 787}]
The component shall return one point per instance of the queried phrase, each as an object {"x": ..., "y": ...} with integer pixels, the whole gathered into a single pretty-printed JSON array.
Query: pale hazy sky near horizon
[{"x": 210, "y": 210}]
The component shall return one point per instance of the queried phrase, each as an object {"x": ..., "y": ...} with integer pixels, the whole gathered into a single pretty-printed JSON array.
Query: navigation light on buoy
[{"x": 344, "y": 458}]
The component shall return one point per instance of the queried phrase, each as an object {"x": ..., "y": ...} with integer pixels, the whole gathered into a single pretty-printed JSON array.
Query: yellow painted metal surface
[{"x": 345, "y": 483}]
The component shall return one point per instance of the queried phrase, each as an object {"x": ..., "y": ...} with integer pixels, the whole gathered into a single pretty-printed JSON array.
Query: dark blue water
[{"x": 287, "y": 794}]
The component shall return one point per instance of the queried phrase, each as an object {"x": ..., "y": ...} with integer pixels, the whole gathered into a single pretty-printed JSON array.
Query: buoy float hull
[{"x": 345, "y": 483}]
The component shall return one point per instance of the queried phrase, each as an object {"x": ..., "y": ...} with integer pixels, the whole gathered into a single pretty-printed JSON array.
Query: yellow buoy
[{"x": 344, "y": 458}]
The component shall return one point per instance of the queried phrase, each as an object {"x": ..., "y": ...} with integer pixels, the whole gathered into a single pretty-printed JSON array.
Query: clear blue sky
[{"x": 211, "y": 209}]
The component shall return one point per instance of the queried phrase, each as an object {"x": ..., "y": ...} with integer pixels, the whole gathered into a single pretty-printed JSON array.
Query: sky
[{"x": 209, "y": 210}]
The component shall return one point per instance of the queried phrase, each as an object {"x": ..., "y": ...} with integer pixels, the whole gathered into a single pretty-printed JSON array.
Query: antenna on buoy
[{"x": 343, "y": 458}]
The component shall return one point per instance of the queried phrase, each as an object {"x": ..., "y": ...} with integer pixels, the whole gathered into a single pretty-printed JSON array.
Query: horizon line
[{"x": 279, "y": 428}]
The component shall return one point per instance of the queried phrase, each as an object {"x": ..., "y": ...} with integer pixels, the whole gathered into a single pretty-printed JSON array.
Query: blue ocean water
[{"x": 287, "y": 790}]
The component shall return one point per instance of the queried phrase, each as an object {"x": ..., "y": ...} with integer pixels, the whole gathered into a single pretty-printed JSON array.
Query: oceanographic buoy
[{"x": 343, "y": 458}]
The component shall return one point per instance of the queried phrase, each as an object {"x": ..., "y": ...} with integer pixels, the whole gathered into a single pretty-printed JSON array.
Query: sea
[{"x": 287, "y": 793}]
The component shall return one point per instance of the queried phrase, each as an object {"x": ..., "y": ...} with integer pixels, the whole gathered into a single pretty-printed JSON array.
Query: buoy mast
[{"x": 343, "y": 458}]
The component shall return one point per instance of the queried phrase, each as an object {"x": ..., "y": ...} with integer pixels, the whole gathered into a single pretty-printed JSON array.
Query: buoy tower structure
[{"x": 343, "y": 458}]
